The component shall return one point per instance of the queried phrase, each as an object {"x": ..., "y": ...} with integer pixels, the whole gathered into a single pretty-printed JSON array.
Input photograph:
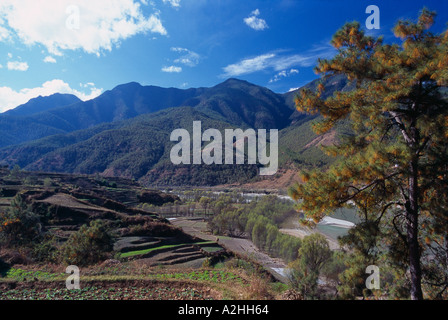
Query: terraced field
[
  {"x": 166, "y": 251},
  {"x": 151, "y": 258}
]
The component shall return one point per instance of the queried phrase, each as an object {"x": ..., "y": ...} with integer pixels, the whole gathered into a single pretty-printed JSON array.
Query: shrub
[
  {"x": 19, "y": 225},
  {"x": 152, "y": 229},
  {"x": 15, "y": 171},
  {"x": 89, "y": 245},
  {"x": 303, "y": 280},
  {"x": 257, "y": 289},
  {"x": 48, "y": 182},
  {"x": 313, "y": 256},
  {"x": 336, "y": 266},
  {"x": 30, "y": 181},
  {"x": 46, "y": 250}
]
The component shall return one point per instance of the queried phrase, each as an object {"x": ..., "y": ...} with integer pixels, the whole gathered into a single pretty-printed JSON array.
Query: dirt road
[{"x": 240, "y": 246}]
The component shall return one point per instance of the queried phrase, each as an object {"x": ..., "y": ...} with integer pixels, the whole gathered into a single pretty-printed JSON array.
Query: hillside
[
  {"x": 233, "y": 100},
  {"x": 244, "y": 105},
  {"x": 133, "y": 140}
]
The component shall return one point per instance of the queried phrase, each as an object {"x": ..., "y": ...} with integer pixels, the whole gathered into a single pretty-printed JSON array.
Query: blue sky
[{"x": 86, "y": 47}]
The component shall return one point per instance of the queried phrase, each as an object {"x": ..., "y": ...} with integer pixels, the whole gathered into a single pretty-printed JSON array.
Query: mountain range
[{"x": 126, "y": 131}]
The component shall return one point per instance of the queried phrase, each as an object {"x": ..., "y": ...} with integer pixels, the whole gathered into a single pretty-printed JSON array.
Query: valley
[
  {"x": 223, "y": 150},
  {"x": 107, "y": 174},
  {"x": 107, "y": 197},
  {"x": 150, "y": 258},
  {"x": 158, "y": 250}
]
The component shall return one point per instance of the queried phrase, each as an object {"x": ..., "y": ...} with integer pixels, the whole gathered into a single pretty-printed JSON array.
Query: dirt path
[
  {"x": 247, "y": 248},
  {"x": 193, "y": 226}
]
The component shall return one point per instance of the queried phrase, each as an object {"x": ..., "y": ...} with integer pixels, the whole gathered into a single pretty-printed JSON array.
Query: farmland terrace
[{"x": 151, "y": 258}]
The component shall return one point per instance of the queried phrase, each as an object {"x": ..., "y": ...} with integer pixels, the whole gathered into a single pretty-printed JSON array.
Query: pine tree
[
  {"x": 393, "y": 165},
  {"x": 313, "y": 255}
]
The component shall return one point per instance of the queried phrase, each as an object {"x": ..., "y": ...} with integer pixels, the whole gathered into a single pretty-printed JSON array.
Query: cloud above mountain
[
  {"x": 188, "y": 57},
  {"x": 172, "y": 69},
  {"x": 278, "y": 61},
  {"x": 268, "y": 61},
  {"x": 283, "y": 74},
  {"x": 91, "y": 26}
]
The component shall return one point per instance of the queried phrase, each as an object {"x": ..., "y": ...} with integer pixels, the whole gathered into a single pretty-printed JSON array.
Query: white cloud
[
  {"x": 277, "y": 61},
  {"x": 9, "y": 98},
  {"x": 173, "y": 3},
  {"x": 172, "y": 69},
  {"x": 254, "y": 22},
  {"x": 283, "y": 74},
  {"x": 95, "y": 26},
  {"x": 267, "y": 61},
  {"x": 49, "y": 59},
  {"x": 17, "y": 65},
  {"x": 249, "y": 65},
  {"x": 189, "y": 58}
]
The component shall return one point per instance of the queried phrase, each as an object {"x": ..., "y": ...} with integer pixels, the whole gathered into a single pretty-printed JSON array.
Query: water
[{"x": 333, "y": 232}]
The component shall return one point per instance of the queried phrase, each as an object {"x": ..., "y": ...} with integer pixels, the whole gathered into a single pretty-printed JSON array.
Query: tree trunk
[{"x": 412, "y": 210}]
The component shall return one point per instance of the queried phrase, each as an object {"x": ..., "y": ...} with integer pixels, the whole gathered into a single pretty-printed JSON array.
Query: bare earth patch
[
  {"x": 326, "y": 139},
  {"x": 282, "y": 180},
  {"x": 65, "y": 200}
]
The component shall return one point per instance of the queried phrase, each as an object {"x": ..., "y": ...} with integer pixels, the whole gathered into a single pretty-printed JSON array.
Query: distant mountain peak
[
  {"x": 230, "y": 80},
  {"x": 235, "y": 101},
  {"x": 129, "y": 85},
  {"x": 235, "y": 81},
  {"x": 43, "y": 103}
]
